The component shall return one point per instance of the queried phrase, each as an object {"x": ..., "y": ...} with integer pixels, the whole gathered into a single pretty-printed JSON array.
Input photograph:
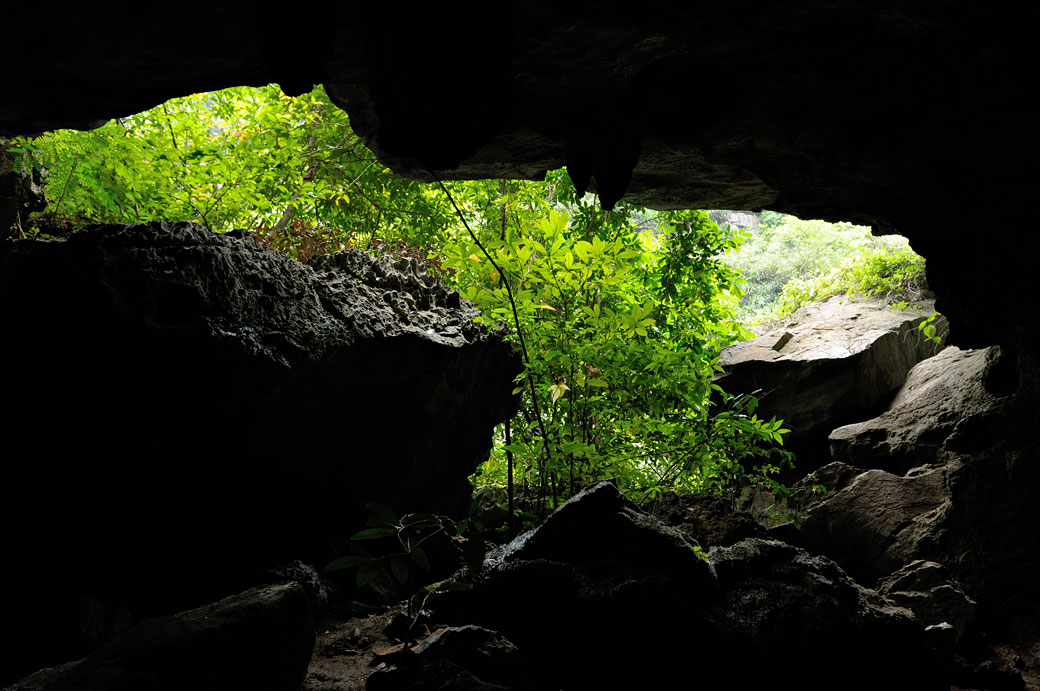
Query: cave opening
[{"x": 928, "y": 153}]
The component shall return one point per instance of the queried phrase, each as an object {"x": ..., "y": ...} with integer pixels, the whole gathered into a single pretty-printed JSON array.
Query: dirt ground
[{"x": 345, "y": 652}]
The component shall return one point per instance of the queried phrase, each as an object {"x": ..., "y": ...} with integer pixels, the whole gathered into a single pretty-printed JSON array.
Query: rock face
[
  {"x": 603, "y": 596},
  {"x": 184, "y": 407},
  {"x": 877, "y": 523},
  {"x": 927, "y": 589},
  {"x": 831, "y": 363},
  {"x": 260, "y": 639},
  {"x": 934, "y": 400},
  {"x": 602, "y": 88},
  {"x": 970, "y": 416},
  {"x": 21, "y": 191},
  {"x": 709, "y": 521}
]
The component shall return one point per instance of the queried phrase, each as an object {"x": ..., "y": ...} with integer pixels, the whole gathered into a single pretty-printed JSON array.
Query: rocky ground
[{"x": 347, "y": 651}]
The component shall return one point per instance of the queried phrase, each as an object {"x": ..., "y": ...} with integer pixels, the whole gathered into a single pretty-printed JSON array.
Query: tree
[
  {"x": 239, "y": 158},
  {"x": 621, "y": 324},
  {"x": 620, "y": 314}
]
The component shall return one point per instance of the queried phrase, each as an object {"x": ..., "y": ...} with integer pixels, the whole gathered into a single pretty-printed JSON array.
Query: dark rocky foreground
[
  {"x": 184, "y": 408},
  {"x": 605, "y": 596}
]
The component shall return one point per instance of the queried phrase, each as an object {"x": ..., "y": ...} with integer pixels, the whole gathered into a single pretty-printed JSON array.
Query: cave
[{"x": 907, "y": 118}]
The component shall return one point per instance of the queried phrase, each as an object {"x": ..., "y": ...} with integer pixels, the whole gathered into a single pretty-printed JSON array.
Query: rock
[
  {"x": 876, "y": 524},
  {"x": 456, "y": 657},
  {"x": 440, "y": 675},
  {"x": 937, "y": 395},
  {"x": 832, "y": 363},
  {"x": 206, "y": 408},
  {"x": 980, "y": 519},
  {"x": 581, "y": 587},
  {"x": 794, "y": 609},
  {"x": 928, "y": 139},
  {"x": 602, "y": 596},
  {"x": 835, "y": 476},
  {"x": 706, "y": 519},
  {"x": 928, "y": 590},
  {"x": 942, "y": 637},
  {"x": 989, "y": 536},
  {"x": 806, "y": 493},
  {"x": 21, "y": 191},
  {"x": 320, "y": 592},
  {"x": 260, "y": 639}
]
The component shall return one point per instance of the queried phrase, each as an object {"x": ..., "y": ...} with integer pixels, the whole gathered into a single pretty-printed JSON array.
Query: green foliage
[
  {"x": 889, "y": 275},
  {"x": 623, "y": 323},
  {"x": 928, "y": 328},
  {"x": 787, "y": 262},
  {"x": 406, "y": 555},
  {"x": 410, "y": 532},
  {"x": 288, "y": 169},
  {"x": 621, "y": 315}
]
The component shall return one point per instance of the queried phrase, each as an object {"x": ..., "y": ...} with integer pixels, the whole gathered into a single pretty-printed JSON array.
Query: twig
[{"x": 516, "y": 319}]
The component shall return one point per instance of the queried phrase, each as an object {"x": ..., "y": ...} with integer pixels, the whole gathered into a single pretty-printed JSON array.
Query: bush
[
  {"x": 892, "y": 275},
  {"x": 787, "y": 262}
]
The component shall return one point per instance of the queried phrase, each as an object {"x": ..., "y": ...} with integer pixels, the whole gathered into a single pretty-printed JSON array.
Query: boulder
[
  {"x": 937, "y": 395},
  {"x": 989, "y": 536},
  {"x": 260, "y": 639},
  {"x": 708, "y": 520},
  {"x": 320, "y": 592},
  {"x": 831, "y": 363},
  {"x": 784, "y": 609},
  {"x": 806, "y": 493},
  {"x": 186, "y": 407},
  {"x": 454, "y": 658},
  {"x": 877, "y": 523},
  {"x": 971, "y": 415},
  {"x": 932, "y": 594},
  {"x": 603, "y": 596}
]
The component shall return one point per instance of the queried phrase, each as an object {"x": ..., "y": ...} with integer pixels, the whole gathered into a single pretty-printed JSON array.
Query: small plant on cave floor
[{"x": 404, "y": 558}]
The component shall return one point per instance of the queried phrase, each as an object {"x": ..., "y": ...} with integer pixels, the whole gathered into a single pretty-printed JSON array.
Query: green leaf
[
  {"x": 420, "y": 558},
  {"x": 368, "y": 572},
  {"x": 382, "y": 511},
  {"x": 400, "y": 568},
  {"x": 373, "y": 534}
]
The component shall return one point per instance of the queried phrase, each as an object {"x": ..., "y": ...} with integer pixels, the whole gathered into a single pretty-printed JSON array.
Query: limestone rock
[
  {"x": 319, "y": 590},
  {"x": 599, "y": 87},
  {"x": 831, "y": 363},
  {"x": 21, "y": 191},
  {"x": 259, "y": 639},
  {"x": 190, "y": 407},
  {"x": 878, "y": 523},
  {"x": 585, "y": 587},
  {"x": 706, "y": 519},
  {"x": 937, "y": 395},
  {"x": 788, "y": 606},
  {"x": 989, "y": 535},
  {"x": 929, "y": 591},
  {"x": 455, "y": 657}
]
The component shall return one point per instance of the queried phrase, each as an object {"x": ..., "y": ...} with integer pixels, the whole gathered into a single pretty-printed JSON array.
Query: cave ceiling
[{"x": 911, "y": 117}]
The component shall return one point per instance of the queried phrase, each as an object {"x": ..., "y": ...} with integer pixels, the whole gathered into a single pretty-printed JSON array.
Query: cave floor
[
  {"x": 345, "y": 651},
  {"x": 348, "y": 650}
]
